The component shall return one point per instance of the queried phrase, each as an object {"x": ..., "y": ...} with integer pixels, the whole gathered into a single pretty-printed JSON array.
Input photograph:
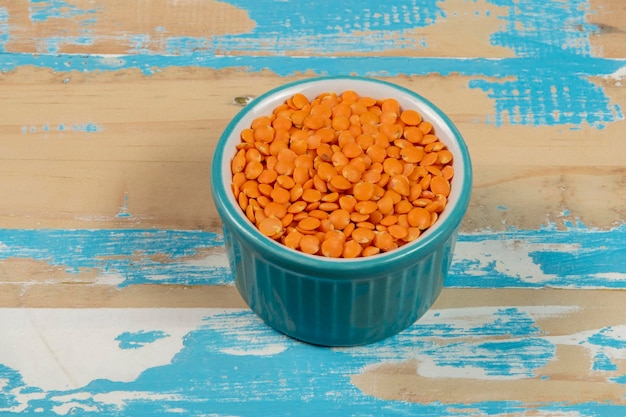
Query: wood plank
[
  {"x": 95, "y": 155},
  {"x": 477, "y": 351},
  {"x": 115, "y": 27},
  {"x": 48, "y": 267}
]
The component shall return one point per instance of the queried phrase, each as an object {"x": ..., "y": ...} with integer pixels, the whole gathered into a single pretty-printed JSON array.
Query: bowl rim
[{"x": 342, "y": 268}]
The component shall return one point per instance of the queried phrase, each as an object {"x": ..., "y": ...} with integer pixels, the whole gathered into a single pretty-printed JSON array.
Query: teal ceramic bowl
[{"x": 339, "y": 302}]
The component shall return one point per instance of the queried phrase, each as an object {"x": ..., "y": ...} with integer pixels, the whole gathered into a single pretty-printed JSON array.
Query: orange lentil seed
[
  {"x": 447, "y": 172},
  {"x": 332, "y": 248},
  {"x": 309, "y": 244},
  {"x": 330, "y": 198},
  {"x": 370, "y": 251},
  {"x": 339, "y": 218},
  {"x": 412, "y": 234},
  {"x": 318, "y": 214},
  {"x": 287, "y": 219},
  {"x": 274, "y": 209},
  {"x": 419, "y": 217},
  {"x": 365, "y": 207},
  {"x": 310, "y": 223},
  {"x": 270, "y": 226},
  {"x": 439, "y": 185},
  {"x": 363, "y": 191},
  {"x": 280, "y": 195},
  {"x": 299, "y": 101},
  {"x": 328, "y": 206},
  {"x": 411, "y": 117},
  {"x": 384, "y": 241},
  {"x": 339, "y": 182},
  {"x": 265, "y": 189},
  {"x": 292, "y": 240},
  {"x": 351, "y": 249},
  {"x": 363, "y": 235},
  {"x": 311, "y": 195},
  {"x": 397, "y": 231}
]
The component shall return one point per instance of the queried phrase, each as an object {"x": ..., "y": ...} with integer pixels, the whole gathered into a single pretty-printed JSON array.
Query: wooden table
[{"x": 115, "y": 293}]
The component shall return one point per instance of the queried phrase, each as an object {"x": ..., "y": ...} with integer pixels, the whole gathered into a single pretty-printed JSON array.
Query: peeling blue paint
[
  {"x": 87, "y": 127},
  {"x": 605, "y": 339},
  {"x": 42, "y": 10},
  {"x": 79, "y": 127},
  {"x": 136, "y": 340},
  {"x": 543, "y": 29},
  {"x": 10, "y": 378},
  {"x": 235, "y": 365},
  {"x": 548, "y": 93},
  {"x": 133, "y": 256},
  {"x": 578, "y": 257},
  {"x": 547, "y": 83},
  {"x": 124, "y": 213},
  {"x": 140, "y": 44},
  {"x": 601, "y": 362},
  {"x": 344, "y": 26},
  {"x": 500, "y": 358},
  {"x": 4, "y": 28},
  {"x": 620, "y": 379},
  {"x": 52, "y": 45},
  {"x": 331, "y": 65},
  {"x": 549, "y": 98}
]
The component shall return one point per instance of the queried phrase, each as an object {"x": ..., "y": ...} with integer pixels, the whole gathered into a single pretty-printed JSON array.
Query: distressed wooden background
[{"x": 115, "y": 294}]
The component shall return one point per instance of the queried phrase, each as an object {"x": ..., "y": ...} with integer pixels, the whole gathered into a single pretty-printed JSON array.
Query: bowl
[{"x": 339, "y": 301}]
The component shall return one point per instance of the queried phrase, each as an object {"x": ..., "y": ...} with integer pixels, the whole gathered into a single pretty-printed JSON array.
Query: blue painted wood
[
  {"x": 530, "y": 89},
  {"x": 576, "y": 257},
  {"x": 230, "y": 363},
  {"x": 126, "y": 256}
]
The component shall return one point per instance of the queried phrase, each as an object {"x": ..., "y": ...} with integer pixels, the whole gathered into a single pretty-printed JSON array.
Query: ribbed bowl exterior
[{"x": 331, "y": 312}]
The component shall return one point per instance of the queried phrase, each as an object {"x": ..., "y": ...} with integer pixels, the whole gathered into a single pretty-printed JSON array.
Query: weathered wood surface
[{"x": 115, "y": 295}]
